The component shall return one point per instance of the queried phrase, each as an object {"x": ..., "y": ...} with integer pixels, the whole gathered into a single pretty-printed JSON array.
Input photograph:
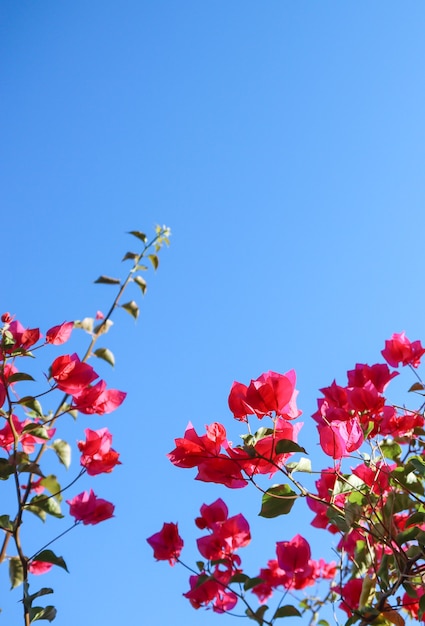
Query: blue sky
[{"x": 283, "y": 143}]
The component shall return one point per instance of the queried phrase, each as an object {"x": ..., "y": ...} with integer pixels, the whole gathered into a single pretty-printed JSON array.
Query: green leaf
[
  {"x": 132, "y": 308},
  {"x": 46, "y": 504},
  {"x": 303, "y": 465},
  {"x": 352, "y": 512},
  {"x": 6, "y": 469},
  {"x": 284, "y": 446},
  {"x": 154, "y": 260},
  {"x": 5, "y": 522},
  {"x": 390, "y": 450},
  {"x": 36, "y": 511},
  {"x": 141, "y": 282},
  {"x": 131, "y": 255},
  {"x": 278, "y": 500},
  {"x": 258, "y": 616},
  {"x": 252, "y": 582},
  {"x": 63, "y": 451},
  {"x": 322, "y": 622},
  {"x": 419, "y": 465},
  {"x": 51, "y": 484},
  {"x": 16, "y": 572},
  {"x": 37, "y": 430},
  {"x": 48, "y": 556},
  {"x": 18, "y": 376},
  {"x": 107, "y": 280},
  {"x": 200, "y": 565},
  {"x": 28, "y": 600},
  {"x": 139, "y": 235},
  {"x": 38, "y": 612},
  {"x": 106, "y": 355},
  {"x": 239, "y": 578},
  {"x": 407, "y": 535},
  {"x": 421, "y": 606},
  {"x": 33, "y": 404},
  {"x": 337, "y": 519},
  {"x": 287, "y": 611},
  {"x": 416, "y": 518}
]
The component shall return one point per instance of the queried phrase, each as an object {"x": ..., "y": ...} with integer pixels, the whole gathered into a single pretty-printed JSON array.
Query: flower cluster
[{"x": 376, "y": 506}]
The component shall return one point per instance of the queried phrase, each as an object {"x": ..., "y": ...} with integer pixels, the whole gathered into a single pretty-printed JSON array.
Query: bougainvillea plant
[
  {"x": 30, "y": 434},
  {"x": 370, "y": 497}
]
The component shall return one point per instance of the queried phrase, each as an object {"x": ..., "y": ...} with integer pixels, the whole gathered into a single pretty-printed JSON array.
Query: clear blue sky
[{"x": 283, "y": 143}]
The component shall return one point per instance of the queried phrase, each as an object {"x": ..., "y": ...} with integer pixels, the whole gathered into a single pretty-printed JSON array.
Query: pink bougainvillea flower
[
  {"x": 26, "y": 439},
  {"x": 167, "y": 543},
  {"x": 97, "y": 455},
  {"x": 205, "y": 453},
  {"x": 350, "y": 595},
  {"x": 339, "y": 439},
  {"x": 293, "y": 555},
  {"x": 378, "y": 374},
  {"x": 36, "y": 486},
  {"x": 411, "y": 605},
  {"x": 205, "y": 590},
  {"x": 59, "y": 334},
  {"x": 266, "y": 460},
  {"x": 24, "y": 337},
  {"x": 269, "y": 393},
  {"x": 399, "y": 349},
  {"x": 39, "y": 567},
  {"x": 71, "y": 375},
  {"x": 211, "y": 514},
  {"x": 88, "y": 508},
  {"x": 97, "y": 400}
]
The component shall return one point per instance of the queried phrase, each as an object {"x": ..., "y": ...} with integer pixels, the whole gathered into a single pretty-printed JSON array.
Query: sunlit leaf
[
  {"x": 51, "y": 484},
  {"x": 16, "y": 571},
  {"x": 106, "y": 355},
  {"x": 37, "y": 430},
  {"x": 139, "y": 235},
  {"x": 141, "y": 282},
  {"x": 132, "y": 308},
  {"x": 48, "y": 505},
  {"x": 63, "y": 451},
  {"x": 32, "y": 403},
  {"x": 154, "y": 260},
  {"x": 131, "y": 255}
]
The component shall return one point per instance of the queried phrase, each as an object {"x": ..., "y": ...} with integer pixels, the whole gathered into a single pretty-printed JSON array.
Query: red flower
[
  {"x": 350, "y": 595},
  {"x": 293, "y": 555},
  {"x": 97, "y": 399},
  {"x": 39, "y": 567},
  {"x": 270, "y": 392},
  {"x": 89, "y": 509},
  {"x": 59, "y": 334},
  {"x": 399, "y": 349},
  {"x": 167, "y": 544},
  {"x": 71, "y": 375},
  {"x": 24, "y": 337},
  {"x": 205, "y": 453},
  {"x": 98, "y": 457},
  {"x": 340, "y": 438}
]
